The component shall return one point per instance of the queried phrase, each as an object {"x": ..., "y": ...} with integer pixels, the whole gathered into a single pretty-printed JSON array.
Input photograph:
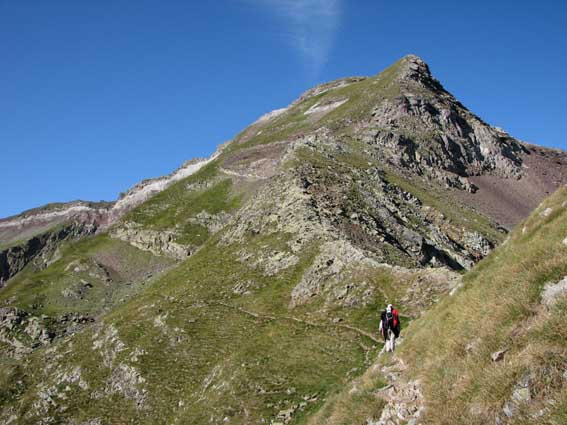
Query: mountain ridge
[
  {"x": 415, "y": 69},
  {"x": 246, "y": 291}
]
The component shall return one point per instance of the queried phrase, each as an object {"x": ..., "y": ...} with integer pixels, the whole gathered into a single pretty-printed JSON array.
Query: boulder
[
  {"x": 551, "y": 291},
  {"x": 498, "y": 355}
]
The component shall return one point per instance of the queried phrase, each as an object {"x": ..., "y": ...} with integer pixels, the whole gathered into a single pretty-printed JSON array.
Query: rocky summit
[{"x": 245, "y": 288}]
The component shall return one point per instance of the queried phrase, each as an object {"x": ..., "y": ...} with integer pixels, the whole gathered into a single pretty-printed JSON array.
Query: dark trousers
[{"x": 396, "y": 331}]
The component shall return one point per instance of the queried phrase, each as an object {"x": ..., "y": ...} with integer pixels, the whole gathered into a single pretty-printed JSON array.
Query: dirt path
[
  {"x": 404, "y": 399},
  {"x": 305, "y": 322}
]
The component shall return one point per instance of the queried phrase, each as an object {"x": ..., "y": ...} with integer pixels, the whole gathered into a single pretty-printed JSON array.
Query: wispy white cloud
[{"x": 310, "y": 26}]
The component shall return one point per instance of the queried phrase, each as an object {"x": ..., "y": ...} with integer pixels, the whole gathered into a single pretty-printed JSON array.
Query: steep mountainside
[
  {"x": 494, "y": 351},
  {"x": 244, "y": 288}
]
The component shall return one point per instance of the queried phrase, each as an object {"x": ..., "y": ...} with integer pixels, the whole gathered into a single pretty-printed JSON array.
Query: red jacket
[{"x": 396, "y": 318}]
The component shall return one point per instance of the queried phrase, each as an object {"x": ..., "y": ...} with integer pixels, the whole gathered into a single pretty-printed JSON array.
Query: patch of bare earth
[
  {"x": 256, "y": 162},
  {"x": 507, "y": 200}
]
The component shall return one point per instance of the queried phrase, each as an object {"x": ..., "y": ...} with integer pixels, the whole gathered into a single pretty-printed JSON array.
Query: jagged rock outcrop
[
  {"x": 21, "y": 333},
  {"x": 213, "y": 222},
  {"x": 158, "y": 242},
  {"x": 326, "y": 274},
  {"x": 405, "y": 403},
  {"x": 426, "y": 130}
]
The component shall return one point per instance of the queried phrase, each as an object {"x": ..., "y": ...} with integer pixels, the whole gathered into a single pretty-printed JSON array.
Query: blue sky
[{"x": 95, "y": 96}]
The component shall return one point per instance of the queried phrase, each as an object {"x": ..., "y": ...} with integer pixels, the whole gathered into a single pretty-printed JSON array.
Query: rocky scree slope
[{"x": 246, "y": 291}]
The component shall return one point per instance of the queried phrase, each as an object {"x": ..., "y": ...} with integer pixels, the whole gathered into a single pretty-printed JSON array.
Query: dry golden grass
[
  {"x": 499, "y": 309},
  {"x": 356, "y": 403}
]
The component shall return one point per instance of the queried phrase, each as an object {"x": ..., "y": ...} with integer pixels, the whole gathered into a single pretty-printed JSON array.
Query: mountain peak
[
  {"x": 413, "y": 59},
  {"x": 414, "y": 68}
]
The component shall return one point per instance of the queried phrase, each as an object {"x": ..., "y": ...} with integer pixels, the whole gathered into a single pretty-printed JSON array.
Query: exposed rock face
[
  {"x": 431, "y": 132},
  {"x": 154, "y": 241},
  {"x": 38, "y": 220},
  {"x": 283, "y": 207},
  {"x": 326, "y": 272},
  {"x": 256, "y": 162},
  {"x": 127, "y": 381},
  {"x": 333, "y": 276},
  {"x": 366, "y": 208},
  {"x": 405, "y": 402},
  {"x": 39, "y": 248},
  {"x": 319, "y": 203},
  {"x": 213, "y": 222}
]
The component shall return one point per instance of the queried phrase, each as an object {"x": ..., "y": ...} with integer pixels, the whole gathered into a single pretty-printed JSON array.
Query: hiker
[{"x": 389, "y": 319}]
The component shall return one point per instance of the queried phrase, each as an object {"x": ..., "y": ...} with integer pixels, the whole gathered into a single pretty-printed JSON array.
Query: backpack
[{"x": 389, "y": 320}]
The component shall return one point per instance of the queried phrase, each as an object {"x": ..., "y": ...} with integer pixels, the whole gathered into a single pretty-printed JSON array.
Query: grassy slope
[
  {"x": 41, "y": 290},
  {"x": 362, "y": 95},
  {"x": 101, "y": 257},
  {"x": 258, "y": 357},
  {"x": 113, "y": 268},
  {"x": 260, "y": 364},
  {"x": 173, "y": 208},
  {"x": 204, "y": 331},
  {"x": 499, "y": 308}
]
